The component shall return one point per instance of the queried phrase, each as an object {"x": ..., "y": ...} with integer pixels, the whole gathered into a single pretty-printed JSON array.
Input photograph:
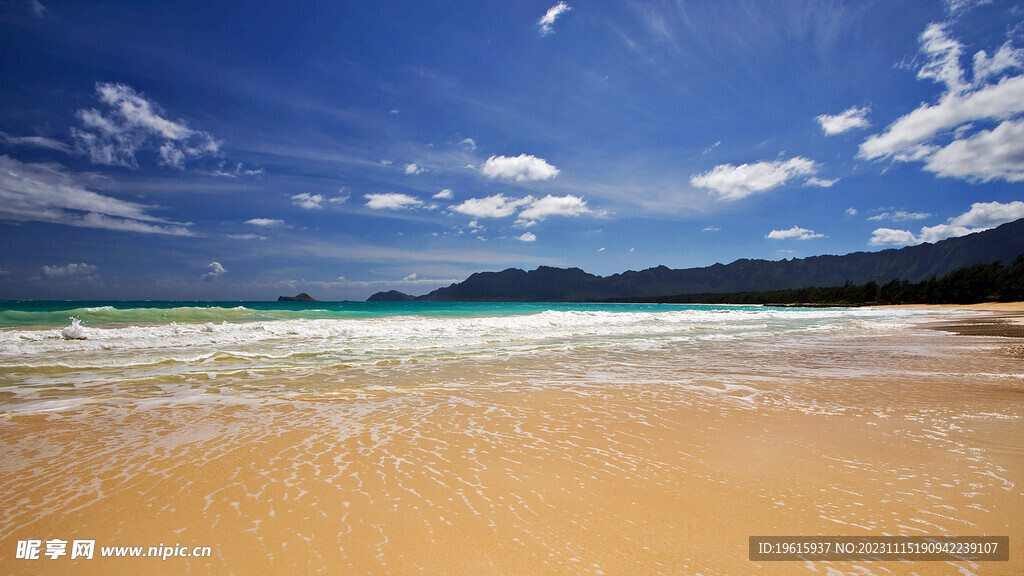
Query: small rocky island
[{"x": 303, "y": 297}]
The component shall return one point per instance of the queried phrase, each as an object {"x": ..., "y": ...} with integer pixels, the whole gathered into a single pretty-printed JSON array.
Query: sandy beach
[{"x": 602, "y": 461}]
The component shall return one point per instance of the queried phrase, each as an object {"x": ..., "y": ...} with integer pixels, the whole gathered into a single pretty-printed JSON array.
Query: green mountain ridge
[{"x": 912, "y": 263}]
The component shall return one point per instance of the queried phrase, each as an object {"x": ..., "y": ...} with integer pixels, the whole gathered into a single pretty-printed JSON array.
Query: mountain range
[{"x": 912, "y": 263}]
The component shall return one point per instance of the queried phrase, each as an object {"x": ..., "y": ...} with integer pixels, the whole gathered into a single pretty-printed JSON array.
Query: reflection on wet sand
[{"x": 661, "y": 460}]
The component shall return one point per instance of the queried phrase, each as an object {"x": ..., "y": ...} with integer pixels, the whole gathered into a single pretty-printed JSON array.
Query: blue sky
[{"x": 229, "y": 150}]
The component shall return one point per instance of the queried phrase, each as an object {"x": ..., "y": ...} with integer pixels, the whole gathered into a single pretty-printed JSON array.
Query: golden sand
[{"x": 538, "y": 465}]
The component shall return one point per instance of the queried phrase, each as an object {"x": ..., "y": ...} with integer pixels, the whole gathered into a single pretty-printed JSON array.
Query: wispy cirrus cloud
[
  {"x": 49, "y": 193},
  {"x": 34, "y": 142},
  {"x": 130, "y": 124}
]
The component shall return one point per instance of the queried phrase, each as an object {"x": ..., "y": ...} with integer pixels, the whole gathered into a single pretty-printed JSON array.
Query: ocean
[{"x": 493, "y": 438}]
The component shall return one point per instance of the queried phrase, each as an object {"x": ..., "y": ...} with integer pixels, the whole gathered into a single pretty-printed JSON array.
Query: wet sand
[{"x": 595, "y": 462}]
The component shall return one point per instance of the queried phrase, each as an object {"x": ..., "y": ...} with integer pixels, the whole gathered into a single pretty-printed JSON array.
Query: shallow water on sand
[{"x": 552, "y": 445}]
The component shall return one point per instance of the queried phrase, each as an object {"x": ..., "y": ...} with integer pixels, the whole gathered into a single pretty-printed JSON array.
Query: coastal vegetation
[{"x": 968, "y": 285}]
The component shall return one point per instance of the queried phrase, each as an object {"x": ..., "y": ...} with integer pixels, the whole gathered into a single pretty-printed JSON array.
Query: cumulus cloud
[
  {"x": 851, "y": 211},
  {"x": 982, "y": 216},
  {"x": 48, "y": 193},
  {"x": 410, "y": 277},
  {"x": 737, "y": 182},
  {"x": 496, "y": 206},
  {"x": 81, "y": 270},
  {"x": 264, "y": 222},
  {"x": 547, "y": 22},
  {"x": 530, "y": 209},
  {"x": 996, "y": 154},
  {"x": 518, "y": 168},
  {"x": 468, "y": 142},
  {"x": 527, "y": 237},
  {"x": 413, "y": 169},
  {"x": 215, "y": 271},
  {"x": 391, "y": 201},
  {"x": 794, "y": 232},
  {"x": 853, "y": 117},
  {"x": 130, "y": 124},
  {"x": 445, "y": 194},
  {"x": 890, "y": 237},
  {"x": 944, "y": 135},
  {"x": 568, "y": 205}
]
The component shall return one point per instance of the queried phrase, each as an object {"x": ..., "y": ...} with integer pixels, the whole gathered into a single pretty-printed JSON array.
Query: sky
[{"x": 244, "y": 150}]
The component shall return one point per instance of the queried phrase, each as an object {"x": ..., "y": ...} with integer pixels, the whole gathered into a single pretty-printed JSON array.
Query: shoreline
[{"x": 662, "y": 460}]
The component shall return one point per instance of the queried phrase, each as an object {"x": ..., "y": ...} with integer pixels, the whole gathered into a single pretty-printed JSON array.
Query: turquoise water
[{"x": 98, "y": 313}]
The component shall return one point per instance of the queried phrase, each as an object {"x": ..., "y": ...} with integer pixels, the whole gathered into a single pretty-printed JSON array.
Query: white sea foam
[{"x": 91, "y": 354}]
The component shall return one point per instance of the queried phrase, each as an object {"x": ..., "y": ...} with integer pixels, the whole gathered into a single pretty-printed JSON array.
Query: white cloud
[
  {"x": 820, "y": 182},
  {"x": 890, "y": 237},
  {"x": 853, "y": 117},
  {"x": 712, "y": 147},
  {"x": 982, "y": 216},
  {"x": 413, "y": 169},
  {"x": 496, "y": 206},
  {"x": 386, "y": 162},
  {"x": 308, "y": 201},
  {"x": 445, "y": 194},
  {"x": 710, "y": 229},
  {"x": 956, "y": 7},
  {"x": 82, "y": 270},
  {"x": 987, "y": 155},
  {"x": 567, "y": 205},
  {"x": 518, "y": 168},
  {"x": 1006, "y": 58},
  {"x": 132, "y": 123},
  {"x": 240, "y": 170},
  {"x": 943, "y": 55},
  {"x": 851, "y": 211},
  {"x": 265, "y": 222},
  {"x": 37, "y": 8},
  {"x": 899, "y": 216},
  {"x": 794, "y": 232},
  {"x": 736, "y": 182},
  {"x": 35, "y": 142},
  {"x": 527, "y": 237},
  {"x": 990, "y": 214},
  {"x": 912, "y": 133},
  {"x": 468, "y": 142},
  {"x": 943, "y": 135},
  {"x": 215, "y": 270},
  {"x": 522, "y": 223},
  {"x": 410, "y": 277},
  {"x": 246, "y": 237},
  {"x": 601, "y": 249},
  {"x": 547, "y": 21},
  {"x": 391, "y": 201},
  {"x": 47, "y": 193}
]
